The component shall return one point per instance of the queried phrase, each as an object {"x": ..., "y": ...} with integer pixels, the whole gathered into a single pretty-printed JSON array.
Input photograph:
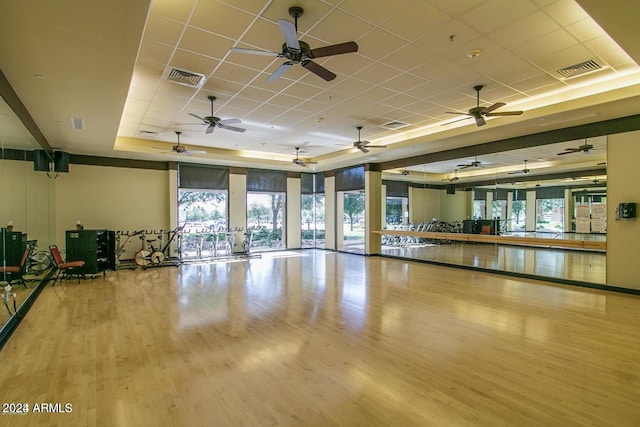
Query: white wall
[
  {"x": 294, "y": 214},
  {"x": 623, "y": 176},
  {"x": 453, "y": 207},
  {"x": 424, "y": 204},
  {"x": 237, "y": 206},
  {"x": 112, "y": 198}
]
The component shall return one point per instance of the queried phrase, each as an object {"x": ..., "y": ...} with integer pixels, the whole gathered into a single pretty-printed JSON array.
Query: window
[{"x": 265, "y": 216}]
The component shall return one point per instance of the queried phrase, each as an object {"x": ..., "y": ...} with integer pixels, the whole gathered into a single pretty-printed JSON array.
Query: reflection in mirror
[
  {"x": 24, "y": 214},
  {"x": 534, "y": 212}
]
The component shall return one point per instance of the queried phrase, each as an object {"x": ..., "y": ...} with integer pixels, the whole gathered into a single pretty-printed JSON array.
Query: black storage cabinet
[
  {"x": 12, "y": 246},
  {"x": 94, "y": 248}
]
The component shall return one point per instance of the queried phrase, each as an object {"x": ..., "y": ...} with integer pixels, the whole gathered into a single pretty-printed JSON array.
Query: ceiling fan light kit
[{"x": 296, "y": 51}]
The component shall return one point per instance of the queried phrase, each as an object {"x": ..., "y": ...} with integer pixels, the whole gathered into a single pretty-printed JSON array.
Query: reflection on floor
[{"x": 573, "y": 265}]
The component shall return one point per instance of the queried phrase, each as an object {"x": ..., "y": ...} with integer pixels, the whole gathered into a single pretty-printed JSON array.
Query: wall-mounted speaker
[
  {"x": 451, "y": 189},
  {"x": 61, "y": 161},
  {"x": 41, "y": 161}
]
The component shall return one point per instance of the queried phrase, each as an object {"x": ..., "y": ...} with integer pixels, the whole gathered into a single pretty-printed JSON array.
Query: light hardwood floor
[{"x": 318, "y": 338}]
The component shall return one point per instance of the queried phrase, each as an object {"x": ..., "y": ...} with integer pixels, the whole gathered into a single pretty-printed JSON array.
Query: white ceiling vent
[
  {"x": 395, "y": 125},
  {"x": 579, "y": 69},
  {"x": 184, "y": 77}
]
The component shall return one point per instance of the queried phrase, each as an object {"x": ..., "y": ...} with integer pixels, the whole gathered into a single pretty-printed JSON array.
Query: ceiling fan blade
[
  {"x": 319, "y": 70},
  {"x": 198, "y": 117},
  {"x": 465, "y": 166},
  {"x": 196, "y": 152},
  {"x": 210, "y": 129},
  {"x": 455, "y": 112},
  {"x": 233, "y": 128},
  {"x": 290, "y": 34},
  {"x": 229, "y": 121},
  {"x": 363, "y": 149},
  {"x": 480, "y": 121},
  {"x": 280, "y": 71},
  {"x": 504, "y": 113},
  {"x": 493, "y": 107},
  {"x": 254, "y": 51},
  {"x": 335, "y": 49}
]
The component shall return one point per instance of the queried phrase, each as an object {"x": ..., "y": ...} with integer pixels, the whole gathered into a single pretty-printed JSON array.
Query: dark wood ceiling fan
[
  {"x": 479, "y": 113},
  {"x": 296, "y": 51}
]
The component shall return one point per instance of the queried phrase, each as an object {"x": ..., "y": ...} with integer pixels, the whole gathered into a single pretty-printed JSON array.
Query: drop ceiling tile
[
  {"x": 285, "y": 101},
  {"x": 175, "y": 90},
  {"x": 399, "y": 100},
  {"x": 209, "y": 17},
  {"x": 427, "y": 90},
  {"x": 262, "y": 35},
  {"x": 378, "y": 44},
  {"x": 337, "y": 27},
  {"x": 494, "y": 14},
  {"x": 314, "y": 11},
  {"x": 613, "y": 56},
  {"x": 585, "y": 30},
  {"x": 537, "y": 49},
  {"x": 163, "y": 30},
  {"x": 377, "y": 73},
  {"x": 448, "y": 35},
  {"x": 413, "y": 21},
  {"x": 456, "y": 8},
  {"x": 155, "y": 52},
  {"x": 218, "y": 87},
  {"x": 347, "y": 64},
  {"x": 565, "y": 58},
  {"x": 176, "y": 10},
  {"x": 403, "y": 82},
  {"x": 565, "y": 12},
  {"x": 147, "y": 75},
  {"x": 189, "y": 61},
  {"x": 409, "y": 57},
  {"x": 234, "y": 73},
  {"x": 527, "y": 28},
  {"x": 377, "y": 11},
  {"x": 534, "y": 84},
  {"x": 205, "y": 43},
  {"x": 351, "y": 87}
]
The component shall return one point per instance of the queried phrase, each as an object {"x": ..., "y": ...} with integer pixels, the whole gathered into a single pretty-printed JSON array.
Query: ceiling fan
[
  {"x": 212, "y": 121},
  {"x": 299, "y": 52},
  {"x": 298, "y": 161},
  {"x": 474, "y": 164},
  {"x": 181, "y": 149},
  {"x": 454, "y": 178},
  {"x": 585, "y": 148},
  {"x": 364, "y": 145},
  {"x": 479, "y": 113},
  {"x": 523, "y": 170}
]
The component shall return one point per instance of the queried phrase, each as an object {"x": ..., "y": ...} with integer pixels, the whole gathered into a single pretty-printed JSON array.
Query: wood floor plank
[{"x": 319, "y": 338}]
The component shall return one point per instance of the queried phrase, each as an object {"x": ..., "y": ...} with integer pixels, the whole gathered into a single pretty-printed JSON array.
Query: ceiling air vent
[
  {"x": 394, "y": 124},
  {"x": 184, "y": 77},
  {"x": 579, "y": 69}
]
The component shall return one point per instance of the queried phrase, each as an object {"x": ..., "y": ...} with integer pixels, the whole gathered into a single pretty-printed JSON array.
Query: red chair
[
  {"x": 64, "y": 268},
  {"x": 15, "y": 272}
]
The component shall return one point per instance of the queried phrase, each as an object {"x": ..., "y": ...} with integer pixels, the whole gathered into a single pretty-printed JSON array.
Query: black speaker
[
  {"x": 40, "y": 161},
  {"x": 451, "y": 189},
  {"x": 61, "y": 161}
]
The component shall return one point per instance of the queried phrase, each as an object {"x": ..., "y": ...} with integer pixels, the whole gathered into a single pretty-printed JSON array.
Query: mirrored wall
[
  {"x": 549, "y": 197},
  {"x": 26, "y": 214}
]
